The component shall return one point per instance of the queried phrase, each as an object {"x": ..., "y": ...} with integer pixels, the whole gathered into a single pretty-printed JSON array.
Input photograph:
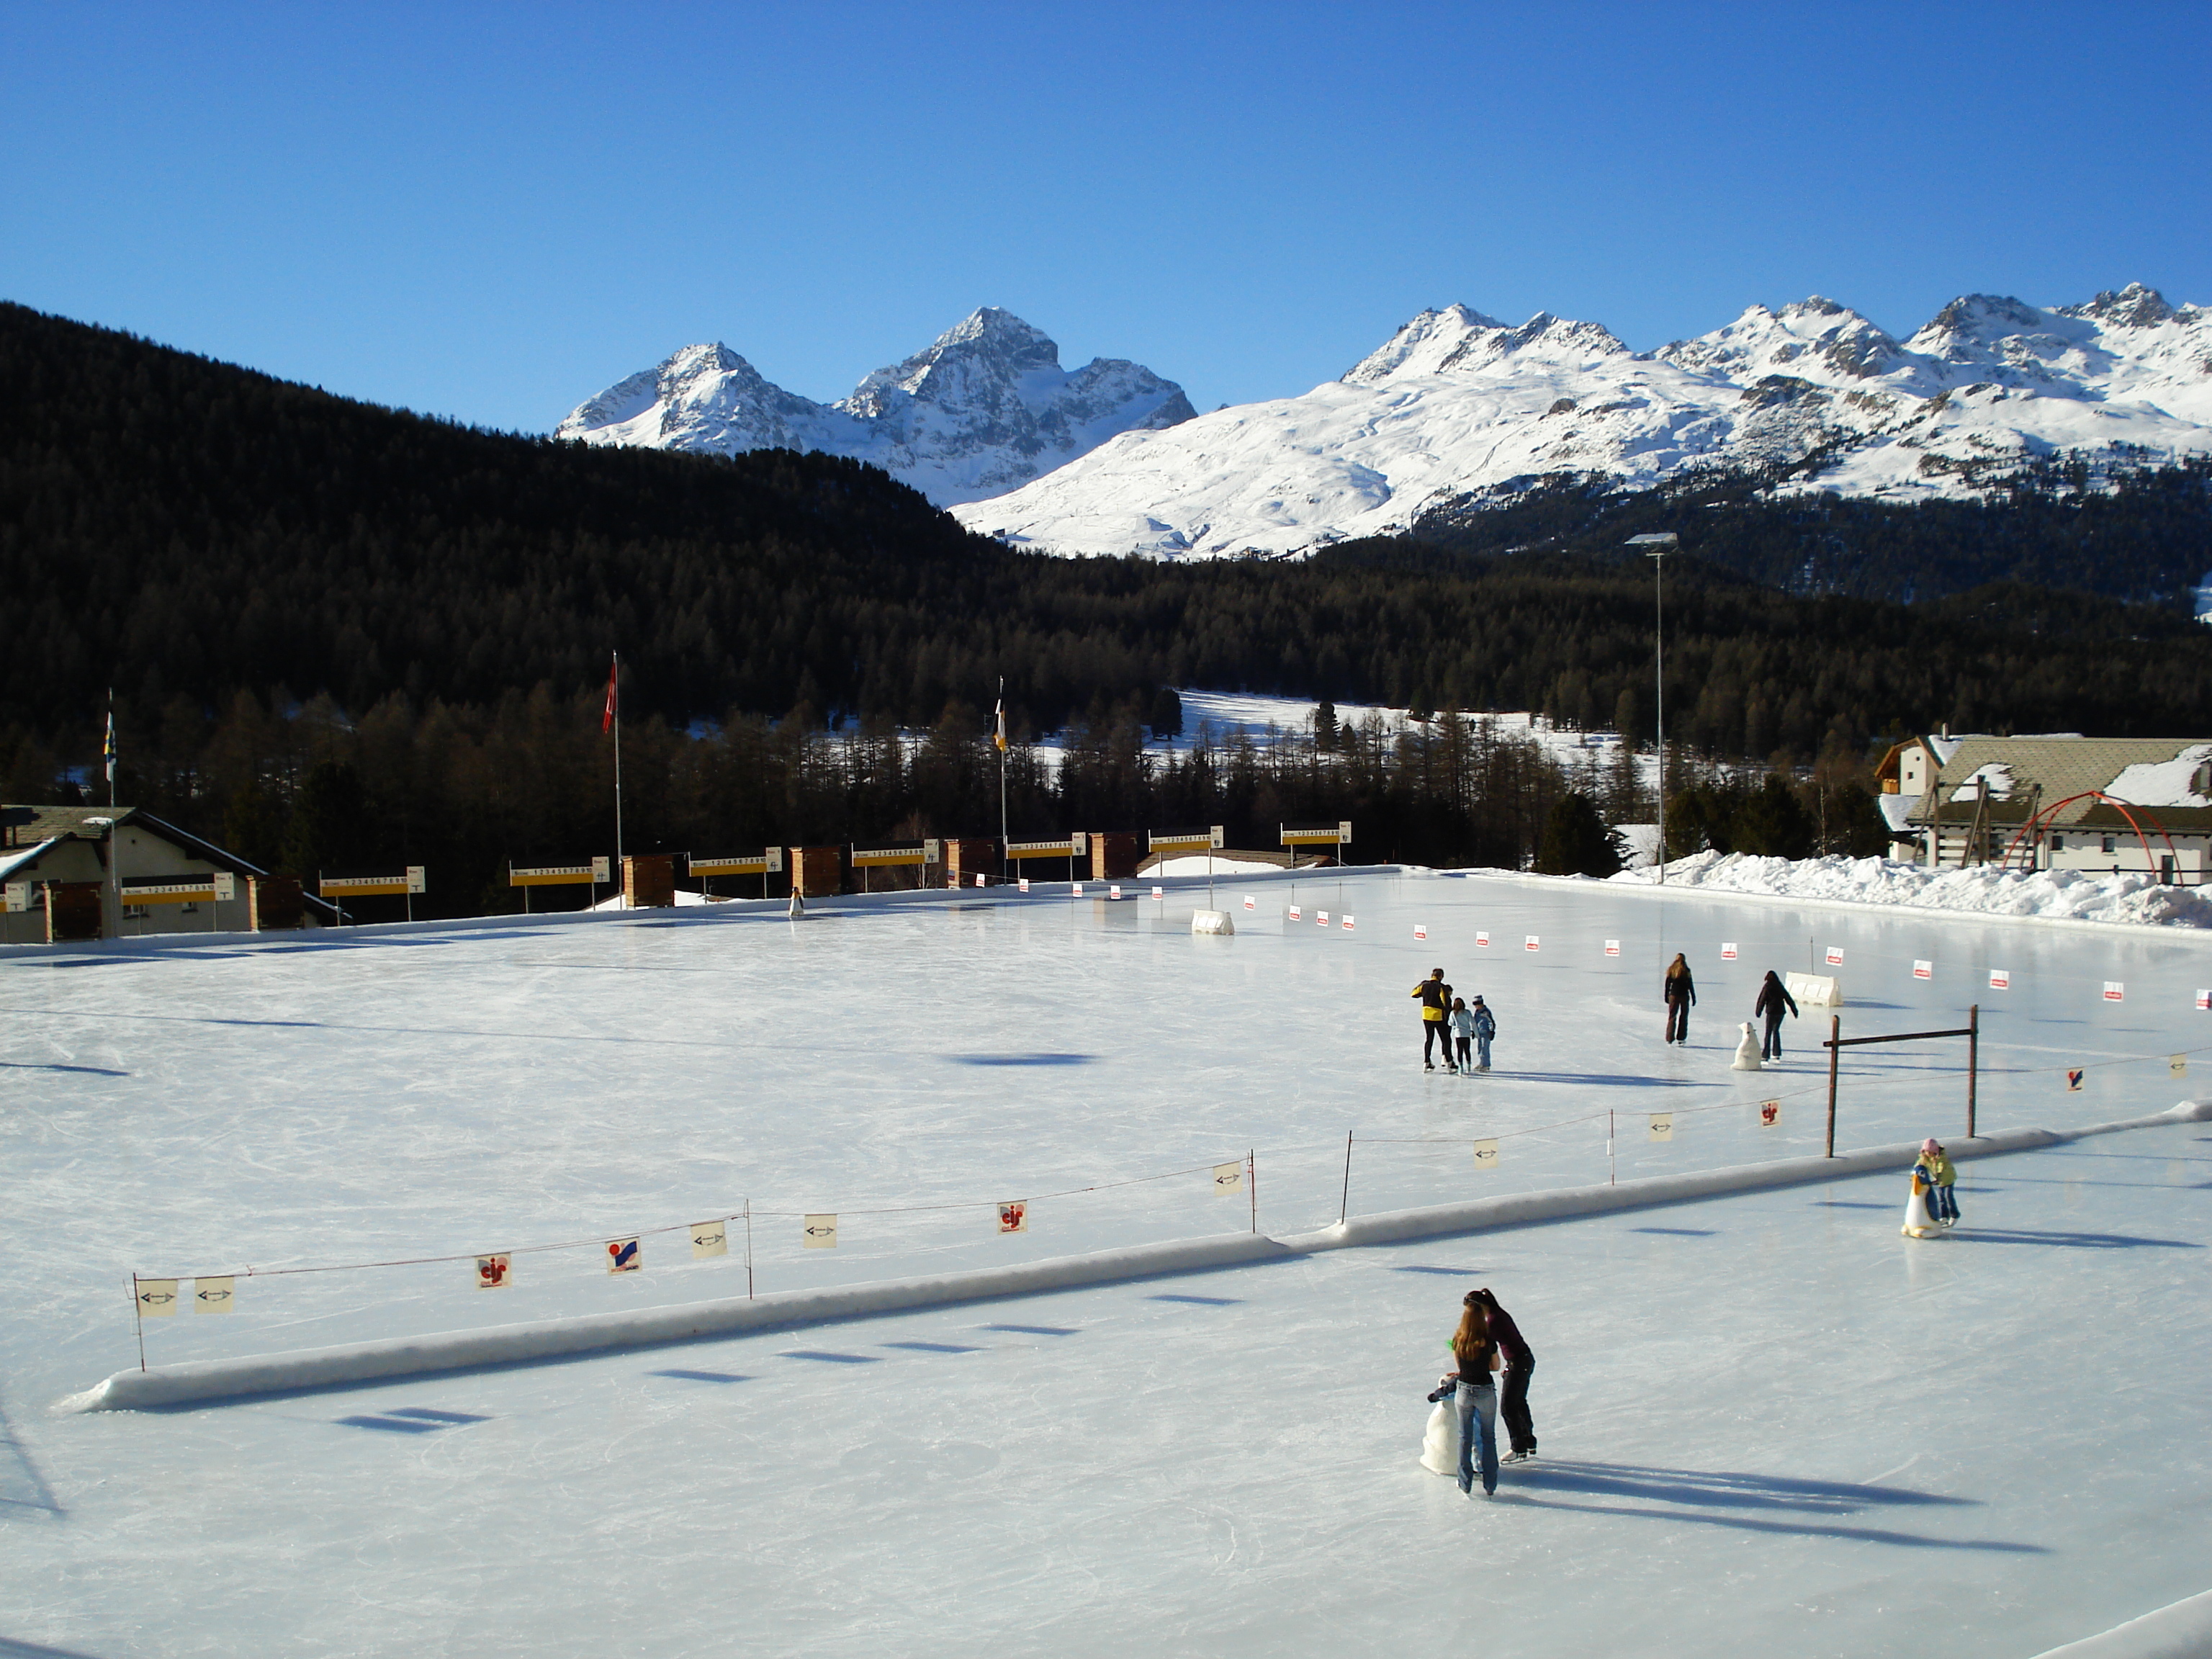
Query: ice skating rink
[{"x": 1767, "y": 1421}]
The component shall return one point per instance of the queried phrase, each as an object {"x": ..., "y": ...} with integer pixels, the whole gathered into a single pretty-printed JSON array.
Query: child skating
[
  {"x": 1463, "y": 1024},
  {"x": 1939, "y": 1175}
]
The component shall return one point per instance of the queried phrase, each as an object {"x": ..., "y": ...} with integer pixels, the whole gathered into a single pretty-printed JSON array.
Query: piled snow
[
  {"x": 986, "y": 407},
  {"x": 1197, "y": 864},
  {"x": 1457, "y": 405},
  {"x": 2064, "y": 895},
  {"x": 684, "y": 896}
]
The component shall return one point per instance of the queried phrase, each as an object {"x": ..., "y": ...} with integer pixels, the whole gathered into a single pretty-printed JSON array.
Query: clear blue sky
[{"x": 492, "y": 211}]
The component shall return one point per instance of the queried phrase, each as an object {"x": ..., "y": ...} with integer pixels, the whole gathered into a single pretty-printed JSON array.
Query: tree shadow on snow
[{"x": 1694, "y": 1491}]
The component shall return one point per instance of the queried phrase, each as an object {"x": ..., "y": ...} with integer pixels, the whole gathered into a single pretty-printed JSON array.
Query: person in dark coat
[
  {"x": 1773, "y": 997},
  {"x": 1435, "y": 997},
  {"x": 1681, "y": 993},
  {"x": 1519, "y": 1365}
]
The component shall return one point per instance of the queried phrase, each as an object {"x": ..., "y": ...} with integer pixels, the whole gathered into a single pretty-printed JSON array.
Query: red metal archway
[{"x": 2041, "y": 824}]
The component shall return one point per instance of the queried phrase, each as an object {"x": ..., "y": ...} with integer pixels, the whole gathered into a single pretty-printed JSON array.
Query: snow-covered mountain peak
[
  {"x": 988, "y": 345},
  {"x": 1461, "y": 341},
  {"x": 1420, "y": 347},
  {"x": 1457, "y": 409},
  {"x": 1812, "y": 338},
  {"x": 2132, "y": 307},
  {"x": 986, "y": 407}
]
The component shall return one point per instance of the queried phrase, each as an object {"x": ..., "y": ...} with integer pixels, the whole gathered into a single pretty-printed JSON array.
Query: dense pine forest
[
  {"x": 2135, "y": 531},
  {"x": 338, "y": 636}
]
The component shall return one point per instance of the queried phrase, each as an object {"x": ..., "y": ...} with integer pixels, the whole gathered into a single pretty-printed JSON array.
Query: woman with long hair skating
[{"x": 1476, "y": 1398}]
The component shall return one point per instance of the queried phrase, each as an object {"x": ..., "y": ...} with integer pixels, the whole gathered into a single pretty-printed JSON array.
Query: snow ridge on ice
[{"x": 2063, "y": 894}]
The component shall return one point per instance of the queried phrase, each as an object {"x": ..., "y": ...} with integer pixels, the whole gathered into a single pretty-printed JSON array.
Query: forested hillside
[
  {"x": 2142, "y": 533},
  {"x": 339, "y": 634}
]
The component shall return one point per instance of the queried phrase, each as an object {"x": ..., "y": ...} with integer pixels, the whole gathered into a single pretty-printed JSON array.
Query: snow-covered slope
[
  {"x": 985, "y": 408},
  {"x": 1457, "y": 405}
]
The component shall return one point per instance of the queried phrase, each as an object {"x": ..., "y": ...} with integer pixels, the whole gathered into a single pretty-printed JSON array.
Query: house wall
[
  {"x": 1915, "y": 767},
  {"x": 142, "y": 854}
]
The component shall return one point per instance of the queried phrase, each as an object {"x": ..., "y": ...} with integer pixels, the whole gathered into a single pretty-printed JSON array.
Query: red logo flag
[{"x": 607, "y": 718}]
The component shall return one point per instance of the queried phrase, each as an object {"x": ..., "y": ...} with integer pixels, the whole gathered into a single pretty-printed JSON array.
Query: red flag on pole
[{"x": 607, "y": 718}]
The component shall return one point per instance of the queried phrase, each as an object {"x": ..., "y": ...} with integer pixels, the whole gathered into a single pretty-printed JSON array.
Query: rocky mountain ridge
[
  {"x": 1457, "y": 407},
  {"x": 985, "y": 408}
]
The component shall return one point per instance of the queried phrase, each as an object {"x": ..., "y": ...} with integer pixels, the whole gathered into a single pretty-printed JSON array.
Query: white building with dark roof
[{"x": 79, "y": 873}]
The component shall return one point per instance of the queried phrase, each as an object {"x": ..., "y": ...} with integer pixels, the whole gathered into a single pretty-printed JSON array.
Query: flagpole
[
  {"x": 614, "y": 701},
  {"x": 110, "y": 756},
  {"x": 1002, "y": 740}
]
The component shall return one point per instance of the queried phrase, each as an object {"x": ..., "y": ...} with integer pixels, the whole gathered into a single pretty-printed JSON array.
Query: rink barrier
[
  {"x": 721, "y": 913},
  {"x": 2181, "y": 1630},
  {"x": 358, "y": 1363}
]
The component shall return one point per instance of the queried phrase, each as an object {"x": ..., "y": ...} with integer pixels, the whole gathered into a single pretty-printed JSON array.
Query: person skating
[
  {"x": 1435, "y": 998},
  {"x": 1519, "y": 1365},
  {"x": 1681, "y": 994},
  {"x": 1475, "y": 1401},
  {"x": 1463, "y": 1025},
  {"x": 1938, "y": 1172},
  {"x": 1773, "y": 997},
  {"x": 1485, "y": 1028}
]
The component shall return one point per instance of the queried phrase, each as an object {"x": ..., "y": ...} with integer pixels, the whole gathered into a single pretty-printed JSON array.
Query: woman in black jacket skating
[
  {"x": 1773, "y": 997},
  {"x": 1681, "y": 993}
]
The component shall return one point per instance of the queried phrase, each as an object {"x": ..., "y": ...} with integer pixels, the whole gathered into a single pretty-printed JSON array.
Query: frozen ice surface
[{"x": 1768, "y": 1421}]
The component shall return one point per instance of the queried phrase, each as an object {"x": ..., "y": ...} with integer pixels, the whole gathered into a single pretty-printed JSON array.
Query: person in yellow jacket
[
  {"x": 1435, "y": 998},
  {"x": 1936, "y": 1171}
]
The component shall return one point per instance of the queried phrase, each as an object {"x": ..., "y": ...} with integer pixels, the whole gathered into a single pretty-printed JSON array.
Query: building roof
[
  {"x": 16, "y": 857},
  {"x": 2029, "y": 775}
]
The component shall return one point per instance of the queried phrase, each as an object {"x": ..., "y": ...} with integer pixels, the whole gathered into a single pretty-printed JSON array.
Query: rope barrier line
[{"x": 600, "y": 1239}]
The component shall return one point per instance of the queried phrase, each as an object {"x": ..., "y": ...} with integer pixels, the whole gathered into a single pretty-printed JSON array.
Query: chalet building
[
  {"x": 81, "y": 873},
  {"x": 2065, "y": 802}
]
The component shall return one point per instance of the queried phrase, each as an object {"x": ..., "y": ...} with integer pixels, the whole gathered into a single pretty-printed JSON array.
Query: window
[
  {"x": 2058, "y": 843},
  {"x": 2111, "y": 845}
]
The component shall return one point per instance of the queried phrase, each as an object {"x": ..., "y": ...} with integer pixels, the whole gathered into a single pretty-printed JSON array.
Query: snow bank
[
  {"x": 2182, "y": 1630},
  {"x": 2065, "y": 895},
  {"x": 367, "y": 1362},
  {"x": 1195, "y": 864}
]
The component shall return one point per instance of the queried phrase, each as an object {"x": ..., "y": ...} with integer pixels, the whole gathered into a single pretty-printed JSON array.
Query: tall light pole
[{"x": 1659, "y": 546}]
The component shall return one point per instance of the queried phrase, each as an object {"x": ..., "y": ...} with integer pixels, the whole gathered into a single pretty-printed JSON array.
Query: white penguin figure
[
  {"x": 1440, "y": 1443},
  {"x": 797, "y": 909},
  {"x": 1746, "y": 1052},
  {"x": 1918, "y": 1223}
]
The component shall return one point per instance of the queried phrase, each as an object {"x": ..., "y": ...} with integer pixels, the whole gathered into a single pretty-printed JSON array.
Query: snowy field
[
  {"x": 1767, "y": 1420},
  {"x": 1221, "y": 717}
]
